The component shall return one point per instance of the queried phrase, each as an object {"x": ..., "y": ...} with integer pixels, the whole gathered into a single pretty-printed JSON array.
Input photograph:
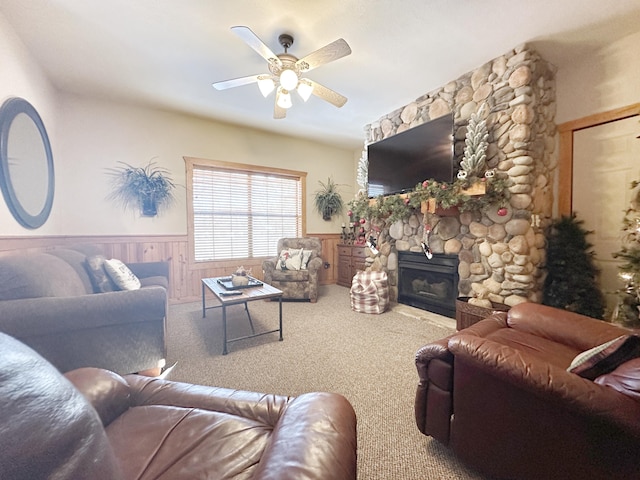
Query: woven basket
[{"x": 467, "y": 315}]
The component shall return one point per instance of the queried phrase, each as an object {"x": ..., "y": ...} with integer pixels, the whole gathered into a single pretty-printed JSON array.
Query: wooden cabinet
[
  {"x": 468, "y": 314},
  {"x": 351, "y": 258}
]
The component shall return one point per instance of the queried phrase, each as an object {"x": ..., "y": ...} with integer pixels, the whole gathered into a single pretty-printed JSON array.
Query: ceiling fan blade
[
  {"x": 251, "y": 39},
  {"x": 278, "y": 111},
  {"x": 326, "y": 54},
  {"x": 236, "y": 82},
  {"x": 327, "y": 94}
]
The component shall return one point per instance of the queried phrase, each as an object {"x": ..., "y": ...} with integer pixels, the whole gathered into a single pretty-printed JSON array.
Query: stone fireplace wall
[{"x": 500, "y": 257}]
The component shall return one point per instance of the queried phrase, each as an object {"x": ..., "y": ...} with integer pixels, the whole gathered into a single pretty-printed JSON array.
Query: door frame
[{"x": 565, "y": 160}]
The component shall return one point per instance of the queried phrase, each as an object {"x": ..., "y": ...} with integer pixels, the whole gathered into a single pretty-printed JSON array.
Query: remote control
[{"x": 231, "y": 293}]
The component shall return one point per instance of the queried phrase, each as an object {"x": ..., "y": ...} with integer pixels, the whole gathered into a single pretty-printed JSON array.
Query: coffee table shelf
[{"x": 245, "y": 295}]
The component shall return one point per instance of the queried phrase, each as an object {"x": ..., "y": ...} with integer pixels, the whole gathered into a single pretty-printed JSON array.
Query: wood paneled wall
[{"x": 184, "y": 281}]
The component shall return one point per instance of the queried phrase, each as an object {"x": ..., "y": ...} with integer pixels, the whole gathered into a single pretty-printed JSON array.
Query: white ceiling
[{"x": 166, "y": 53}]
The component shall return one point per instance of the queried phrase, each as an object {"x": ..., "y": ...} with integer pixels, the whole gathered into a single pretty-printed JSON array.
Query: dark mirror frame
[{"x": 8, "y": 112}]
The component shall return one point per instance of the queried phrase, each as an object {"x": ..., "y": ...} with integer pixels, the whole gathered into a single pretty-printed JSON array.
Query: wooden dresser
[{"x": 351, "y": 258}]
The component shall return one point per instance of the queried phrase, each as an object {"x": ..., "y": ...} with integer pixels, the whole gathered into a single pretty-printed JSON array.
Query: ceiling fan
[{"x": 286, "y": 71}]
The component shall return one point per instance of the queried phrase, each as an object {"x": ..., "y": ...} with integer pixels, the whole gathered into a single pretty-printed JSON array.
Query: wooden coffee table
[{"x": 261, "y": 292}]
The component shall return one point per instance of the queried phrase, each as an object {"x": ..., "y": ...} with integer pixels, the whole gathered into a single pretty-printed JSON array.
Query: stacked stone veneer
[{"x": 500, "y": 256}]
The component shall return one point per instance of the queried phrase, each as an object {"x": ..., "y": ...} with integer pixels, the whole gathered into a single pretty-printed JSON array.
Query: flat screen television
[{"x": 398, "y": 163}]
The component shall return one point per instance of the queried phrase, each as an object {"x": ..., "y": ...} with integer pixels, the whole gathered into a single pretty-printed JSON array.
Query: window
[{"x": 240, "y": 211}]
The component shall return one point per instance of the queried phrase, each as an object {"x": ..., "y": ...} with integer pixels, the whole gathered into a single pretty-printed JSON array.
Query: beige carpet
[{"x": 327, "y": 347}]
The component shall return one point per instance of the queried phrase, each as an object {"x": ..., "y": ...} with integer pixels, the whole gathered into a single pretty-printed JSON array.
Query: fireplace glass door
[{"x": 429, "y": 284}]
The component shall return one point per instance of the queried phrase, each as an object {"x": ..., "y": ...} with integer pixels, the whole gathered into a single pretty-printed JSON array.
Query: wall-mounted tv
[{"x": 398, "y": 163}]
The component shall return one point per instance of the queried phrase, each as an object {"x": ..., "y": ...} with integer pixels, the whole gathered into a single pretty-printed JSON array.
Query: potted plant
[
  {"x": 148, "y": 188},
  {"x": 328, "y": 201}
]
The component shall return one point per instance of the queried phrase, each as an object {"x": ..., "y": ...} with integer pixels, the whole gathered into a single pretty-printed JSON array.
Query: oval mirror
[{"x": 26, "y": 163}]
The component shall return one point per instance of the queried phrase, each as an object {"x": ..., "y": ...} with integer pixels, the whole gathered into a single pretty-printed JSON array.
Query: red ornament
[
  {"x": 502, "y": 211},
  {"x": 350, "y": 213},
  {"x": 406, "y": 201},
  {"x": 362, "y": 221},
  {"x": 425, "y": 184},
  {"x": 443, "y": 186}
]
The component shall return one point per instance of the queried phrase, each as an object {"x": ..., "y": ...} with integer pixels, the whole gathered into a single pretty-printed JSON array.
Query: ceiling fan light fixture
[
  {"x": 266, "y": 86},
  {"x": 305, "y": 88},
  {"x": 284, "y": 99},
  {"x": 285, "y": 71},
  {"x": 288, "y": 79}
]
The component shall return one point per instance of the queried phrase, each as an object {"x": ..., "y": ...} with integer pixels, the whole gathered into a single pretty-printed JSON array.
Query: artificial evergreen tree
[
  {"x": 571, "y": 283},
  {"x": 473, "y": 163},
  {"x": 627, "y": 310}
]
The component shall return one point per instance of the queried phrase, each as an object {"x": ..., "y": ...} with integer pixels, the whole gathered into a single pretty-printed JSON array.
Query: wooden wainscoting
[{"x": 184, "y": 281}]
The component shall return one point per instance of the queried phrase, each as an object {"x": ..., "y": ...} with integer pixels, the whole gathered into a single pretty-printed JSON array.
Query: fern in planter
[
  {"x": 327, "y": 200},
  {"x": 148, "y": 188}
]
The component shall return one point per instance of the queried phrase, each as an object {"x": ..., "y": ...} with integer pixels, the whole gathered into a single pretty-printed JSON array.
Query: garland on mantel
[{"x": 392, "y": 208}]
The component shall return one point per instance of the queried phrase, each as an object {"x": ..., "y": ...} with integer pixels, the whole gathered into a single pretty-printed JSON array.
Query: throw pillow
[
  {"x": 306, "y": 256},
  {"x": 625, "y": 379},
  {"x": 289, "y": 259},
  {"x": 605, "y": 358},
  {"x": 121, "y": 275},
  {"x": 98, "y": 275}
]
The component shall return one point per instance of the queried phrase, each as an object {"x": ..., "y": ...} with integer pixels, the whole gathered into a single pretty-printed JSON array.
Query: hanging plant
[
  {"x": 328, "y": 201},
  {"x": 148, "y": 189}
]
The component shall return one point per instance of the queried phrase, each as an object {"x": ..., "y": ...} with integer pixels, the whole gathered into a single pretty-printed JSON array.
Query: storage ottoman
[{"x": 369, "y": 292}]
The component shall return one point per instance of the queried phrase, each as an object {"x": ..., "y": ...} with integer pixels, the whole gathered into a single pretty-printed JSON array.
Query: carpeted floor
[{"x": 327, "y": 347}]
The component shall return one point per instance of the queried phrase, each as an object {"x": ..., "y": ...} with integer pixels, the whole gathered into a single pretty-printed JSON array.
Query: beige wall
[
  {"x": 96, "y": 135},
  {"x": 604, "y": 81},
  {"x": 89, "y": 136},
  {"x": 20, "y": 76}
]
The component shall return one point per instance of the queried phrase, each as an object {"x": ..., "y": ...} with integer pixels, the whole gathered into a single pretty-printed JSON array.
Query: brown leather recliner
[
  {"x": 499, "y": 395},
  {"x": 148, "y": 428}
]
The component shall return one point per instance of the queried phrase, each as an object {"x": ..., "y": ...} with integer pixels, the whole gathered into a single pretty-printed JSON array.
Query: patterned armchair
[{"x": 287, "y": 271}]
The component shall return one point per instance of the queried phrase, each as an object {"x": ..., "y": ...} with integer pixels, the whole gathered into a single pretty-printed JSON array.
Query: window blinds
[{"x": 243, "y": 214}]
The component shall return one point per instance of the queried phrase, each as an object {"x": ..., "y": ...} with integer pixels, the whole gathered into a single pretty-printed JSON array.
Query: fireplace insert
[{"x": 429, "y": 284}]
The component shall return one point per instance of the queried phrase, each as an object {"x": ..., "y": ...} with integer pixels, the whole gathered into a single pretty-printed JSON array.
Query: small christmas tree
[
  {"x": 570, "y": 283},
  {"x": 475, "y": 156},
  {"x": 627, "y": 311}
]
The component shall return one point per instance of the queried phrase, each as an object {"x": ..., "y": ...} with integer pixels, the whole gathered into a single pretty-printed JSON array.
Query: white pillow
[
  {"x": 289, "y": 259},
  {"x": 306, "y": 255},
  {"x": 121, "y": 275}
]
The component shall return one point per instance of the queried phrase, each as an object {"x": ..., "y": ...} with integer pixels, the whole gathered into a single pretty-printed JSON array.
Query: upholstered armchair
[{"x": 295, "y": 269}]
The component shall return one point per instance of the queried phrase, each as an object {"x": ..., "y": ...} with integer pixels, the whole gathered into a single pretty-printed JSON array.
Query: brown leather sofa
[
  {"x": 499, "y": 395},
  {"x": 135, "y": 427}
]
